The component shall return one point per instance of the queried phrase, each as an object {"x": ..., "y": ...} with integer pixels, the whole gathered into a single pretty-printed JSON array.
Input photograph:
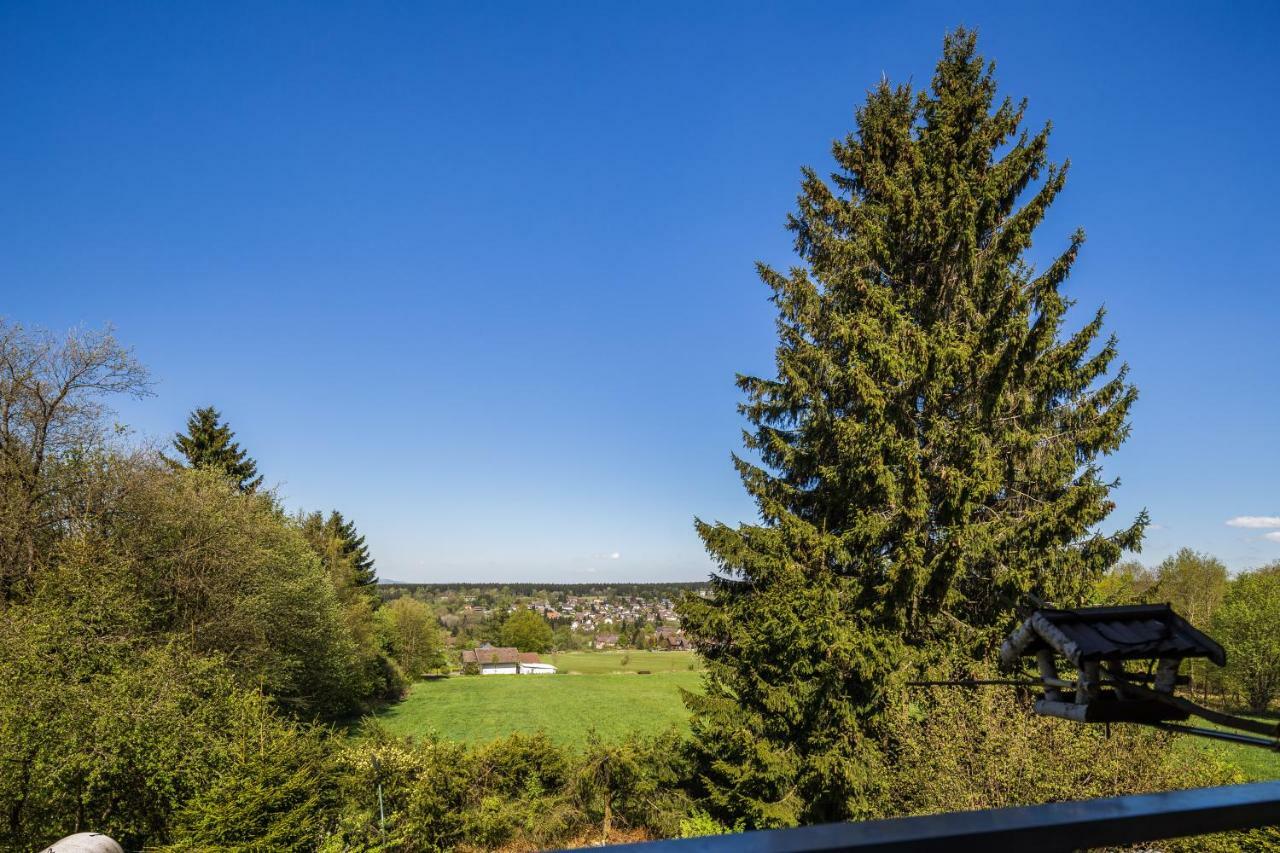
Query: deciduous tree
[
  {"x": 1193, "y": 583},
  {"x": 53, "y": 426},
  {"x": 1248, "y": 624},
  {"x": 1129, "y": 582},
  {"x": 527, "y": 631},
  {"x": 415, "y": 636}
]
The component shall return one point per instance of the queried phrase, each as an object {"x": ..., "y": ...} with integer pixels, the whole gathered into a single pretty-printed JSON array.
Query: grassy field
[
  {"x": 593, "y": 663},
  {"x": 604, "y": 690},
  {"x": 1255, "y": 763},
  {"x": 594, "y": 689}
]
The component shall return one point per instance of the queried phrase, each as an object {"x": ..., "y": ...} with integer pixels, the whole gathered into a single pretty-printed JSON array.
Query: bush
[
  {"x": 958, "y": 749},
  {"x": 273, "y": 788},
  {"x": 699, "y": 823}
]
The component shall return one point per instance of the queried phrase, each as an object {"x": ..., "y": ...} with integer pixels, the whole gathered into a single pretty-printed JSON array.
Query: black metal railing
[{"x": 1077, "y": 825}]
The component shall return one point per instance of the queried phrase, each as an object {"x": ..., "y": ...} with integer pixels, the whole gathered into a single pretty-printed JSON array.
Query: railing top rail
[{"x": 1045, "y": 828}]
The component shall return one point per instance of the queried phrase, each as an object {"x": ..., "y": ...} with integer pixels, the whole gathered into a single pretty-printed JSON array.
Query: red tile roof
[
  {"x": 503, "y": 654},
  {"x": 507, "y": 654}
]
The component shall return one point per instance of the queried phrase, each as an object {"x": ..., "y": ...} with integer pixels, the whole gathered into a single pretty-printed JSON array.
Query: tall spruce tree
[
  {"x": 343, "y": 551},
  {"x": 208, "y": 444},
  {"x": 929, "y": 447},
  {"x": 352, "y": 548}
]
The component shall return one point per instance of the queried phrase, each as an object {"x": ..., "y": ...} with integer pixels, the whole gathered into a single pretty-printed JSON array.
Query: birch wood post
[
  {"x": 1048, "y": 673},
  {"x": 1087, "y": 686},
  {"x": 1167, "y": 674}
]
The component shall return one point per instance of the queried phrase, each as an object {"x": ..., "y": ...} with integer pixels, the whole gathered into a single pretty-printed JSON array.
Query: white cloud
[
  {"x": 616, "y": 556},
  {"x": 1255, "y": 522},
  {"x": 1274, "y": 536}
]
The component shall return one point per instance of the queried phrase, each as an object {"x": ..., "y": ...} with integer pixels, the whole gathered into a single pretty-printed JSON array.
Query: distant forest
[{"x": 394, "y": 589}]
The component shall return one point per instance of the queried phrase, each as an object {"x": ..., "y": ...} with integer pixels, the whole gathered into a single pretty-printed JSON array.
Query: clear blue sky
[{"x": 480, "y": 275}]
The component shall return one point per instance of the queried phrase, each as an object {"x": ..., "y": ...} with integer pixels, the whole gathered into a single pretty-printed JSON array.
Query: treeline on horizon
[
  {"x": 644, "y": 588},
  {"x": 182, "y": 661}
]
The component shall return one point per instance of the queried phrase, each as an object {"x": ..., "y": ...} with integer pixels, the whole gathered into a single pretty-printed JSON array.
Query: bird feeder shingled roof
[{"x": 1090, "y": 634}]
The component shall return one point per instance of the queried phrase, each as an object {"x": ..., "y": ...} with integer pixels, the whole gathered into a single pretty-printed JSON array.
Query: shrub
[
  {"x": 699, "y": 823},
  {"x": 957, "y": 749},
  {"x": 274, "y": 788}
]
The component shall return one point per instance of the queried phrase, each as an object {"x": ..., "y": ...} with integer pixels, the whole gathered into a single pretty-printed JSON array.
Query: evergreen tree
[
  {"x": 930, "y": 446},
  {"x": 352, "y": 547},
  {"x": 343, "y": 550},
  {"x": 208, "y": 444}
]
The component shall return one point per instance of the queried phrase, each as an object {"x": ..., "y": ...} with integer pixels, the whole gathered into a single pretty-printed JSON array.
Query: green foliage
[
  {"x": 96, "y": 731},
  {"x": 971, "y": 749},
  {"x": 520, "y": 791},
  {"x": 1127, "y": 583},
  {"x": 102, "y": 727},
  {"x": 527, "y": 631},
  {"x": 1248, "y": 626},
  {"x": 602, "y": 662},
  {"x": 699, "y": 823},
  {"x": 565, "y": 640},
  {"x": 380, "y": 674},
  {"x": 53, "y": 436},
  {"x": 415, "y": 639},
  {"x": 273, "y": 789},
  {"x": 1193, "y": 583},
  {"x": 930, "y": 446},
  {"x": 630, "y": 780},
  {"x": 226, "y": 570},
  {"x": 208, "y": 444},
  {"x": 348, "y": 546}
]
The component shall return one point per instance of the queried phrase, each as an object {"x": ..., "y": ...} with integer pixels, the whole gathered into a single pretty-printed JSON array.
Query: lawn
[{"x": 604, "y": 690}]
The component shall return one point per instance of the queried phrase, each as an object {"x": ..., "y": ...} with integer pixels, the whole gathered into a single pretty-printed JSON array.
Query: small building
[
  {"x": 668, "y": 638},
  {"x": 504, "y": 660},
  {"x": 605, "y": 641}
]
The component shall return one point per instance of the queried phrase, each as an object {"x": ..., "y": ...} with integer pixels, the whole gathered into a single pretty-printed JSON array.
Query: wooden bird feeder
[
  {"x": 1127, "y": 660},
  {"x": 1109, "y": 647}
]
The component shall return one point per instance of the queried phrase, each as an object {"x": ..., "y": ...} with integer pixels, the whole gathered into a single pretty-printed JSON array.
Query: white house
[{"x": 504, "y": 660}]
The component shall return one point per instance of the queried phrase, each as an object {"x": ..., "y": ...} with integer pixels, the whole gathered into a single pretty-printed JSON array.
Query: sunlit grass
[
  {"x": 1254, "y": 762},
  {"x": 601, "y": 690},
  {"x": 623, "y": 661}
]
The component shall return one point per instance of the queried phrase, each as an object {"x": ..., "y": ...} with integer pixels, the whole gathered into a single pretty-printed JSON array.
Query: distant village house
[
  {"x": 503, "y": 660},
  {"x": 667, "y": 638}
]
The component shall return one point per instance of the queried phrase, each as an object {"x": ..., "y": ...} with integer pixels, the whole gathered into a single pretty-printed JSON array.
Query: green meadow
[
  {"x": 604, "y": 691},
  {"x": 593, "y": 663},
  {"x": 1255, "y": 763}
]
